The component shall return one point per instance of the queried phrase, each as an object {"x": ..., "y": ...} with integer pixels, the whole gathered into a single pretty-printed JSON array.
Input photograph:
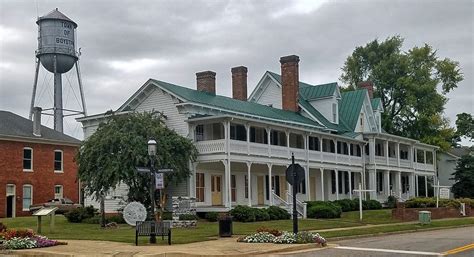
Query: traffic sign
[{"x": 297, "y": 177}]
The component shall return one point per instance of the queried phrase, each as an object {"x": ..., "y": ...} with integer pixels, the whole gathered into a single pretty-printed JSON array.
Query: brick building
[{"x": 36, "y": 164}]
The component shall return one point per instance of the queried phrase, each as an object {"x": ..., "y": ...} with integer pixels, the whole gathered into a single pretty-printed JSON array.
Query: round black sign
[{"x": 294, "y": 174}]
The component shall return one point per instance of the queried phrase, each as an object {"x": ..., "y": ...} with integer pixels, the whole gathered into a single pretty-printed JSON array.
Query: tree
[
  {"x": 464, "y": 177},
  {"x": 465, "y": 126},
  {"x": 109, "y": 156},
  {"x": 407, "y": 84}
]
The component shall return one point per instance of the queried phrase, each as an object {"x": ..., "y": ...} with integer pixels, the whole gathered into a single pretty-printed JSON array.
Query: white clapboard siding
[
  {"x": 271, "y": 95},
  {"x": 163, "y": 102},
  {"x": 324, "y": 106},
  {"x": 113, "y": 201}
]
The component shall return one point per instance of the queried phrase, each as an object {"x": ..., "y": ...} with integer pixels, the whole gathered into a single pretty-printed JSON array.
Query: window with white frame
[
  {"x": 199, "y": 133},
  {"x": 27, "y": 197},
  {"x": 58, "y": 191},
  {"x": 58, "y": 160},
  {"x": 199, "y": 187},
  {"x": 28, "y": 159}
]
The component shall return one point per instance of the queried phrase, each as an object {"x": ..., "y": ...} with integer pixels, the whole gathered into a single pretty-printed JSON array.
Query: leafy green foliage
[
  {"x": 110, "y": 155},
  {"x": 465, "y": 126},
  {"x": 77, "y": 215},
  {"x": 407, "y": 83},
  {"x": 277, "y": 213},
  {"x": 391, "y": 202},
  {"x": 324, "y": 211},
  {"x": 211, "y": 216},
  {"x": 243, "y": 213},
  {"x": 347, "y": 204},
  {"x": 464, "y": 177},
  {"x": 187, "y": 217},
  {"x": 371, "y": 205},
  {"x": 261, "y": 214},
  {"x": 249, "y": 214},
  {"x": 429, "y": 202}
]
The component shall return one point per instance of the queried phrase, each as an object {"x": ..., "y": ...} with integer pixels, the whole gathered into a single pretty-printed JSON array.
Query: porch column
[
  {"x": 288, "y": 143},
  {"x": 416, "y": 186},
  {"x": 385, "y": 143},
  {"x": 247, "y": 131},
  {"x": 411, "y": 182},
  {"x": 426, "y": 186},
  {"x": 226, "y": 188},
  {"x": 336, "y": 173},
  {"x": 371, "y": 150},
  {"x": 386, "y": 178},
  {"x": 270, "y": 197},
  {"x": 268, "y": 141},
  {"x": 322, "y": 183},
  {"x": 398, "y": 183},
  {"x": 308, "y": 185},
  {"x": 249, "y": 184},
  {"x": 350, "y": 184},
  {"x": 192, "y": 179},
  {"x": 398, "y": 154},
  {"x": 373, "y": 184}
]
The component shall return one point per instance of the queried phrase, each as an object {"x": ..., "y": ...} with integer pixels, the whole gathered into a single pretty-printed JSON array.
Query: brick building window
[
  {"x": 199, "y": 187},
  {"x": 27, "y": 159},
  {"x": 27, "y": 197},
  {"x": 58, "y": 160},
  {"x": 58, "y": 191}
]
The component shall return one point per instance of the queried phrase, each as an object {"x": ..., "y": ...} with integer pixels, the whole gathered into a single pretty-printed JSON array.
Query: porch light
[{"x": 151, "y": 147}]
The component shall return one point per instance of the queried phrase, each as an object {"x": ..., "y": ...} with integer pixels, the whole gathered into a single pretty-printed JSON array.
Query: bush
[
  {"x": 391, "y": 202},
  {"x": 467, "y": 201},
  {"x": 92, "y": 220},
  {"x": 277, "y": 213},
  {"x": 117, "y": 219},
  {"x": 243, "y": 213},
  {"x": 167, "y": 216},
  {"x": 261, "y": 214},
  {"x": 211, "y": 216},
  {"x": 79, "y": 214},
  {"x": 187, "y": 217},
  {"x": 346, "y": 205},
  {"x": 327, "y": 210},
  {"x": 373, "y": 205}
]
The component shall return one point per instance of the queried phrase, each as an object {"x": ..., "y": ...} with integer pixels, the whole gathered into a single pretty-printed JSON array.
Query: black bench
[{"x": 144, "y": 228}]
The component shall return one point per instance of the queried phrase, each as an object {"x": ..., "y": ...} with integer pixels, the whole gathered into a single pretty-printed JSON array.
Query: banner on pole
[{"x": 159, "y": 181}]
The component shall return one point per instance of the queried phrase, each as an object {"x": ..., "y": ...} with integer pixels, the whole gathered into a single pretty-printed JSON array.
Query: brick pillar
[
  {"x": 206, "y": 81},
  {"x": 290, "y": 82},
  {"x": 239, "y": 83}
]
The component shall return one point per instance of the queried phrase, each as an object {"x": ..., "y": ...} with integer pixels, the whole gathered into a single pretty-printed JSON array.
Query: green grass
[{"x": 209, "y": 230}]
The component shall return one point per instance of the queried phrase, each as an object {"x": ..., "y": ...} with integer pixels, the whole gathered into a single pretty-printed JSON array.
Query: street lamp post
[{"x": 152, "y": 155}]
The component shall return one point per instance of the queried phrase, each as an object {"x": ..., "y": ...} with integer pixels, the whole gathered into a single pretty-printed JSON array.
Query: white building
[{"x": 245, "y": 144}]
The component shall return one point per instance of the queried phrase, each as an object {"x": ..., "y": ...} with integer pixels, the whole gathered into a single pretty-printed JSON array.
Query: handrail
[{"x": 301, "y": 207}]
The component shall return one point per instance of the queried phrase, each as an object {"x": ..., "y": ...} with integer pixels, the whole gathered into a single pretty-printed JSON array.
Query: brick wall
[
  {"x": 290, "y": 82},
  {"x": 42, "y": 178},
  {"x": 411, "y": 214}
]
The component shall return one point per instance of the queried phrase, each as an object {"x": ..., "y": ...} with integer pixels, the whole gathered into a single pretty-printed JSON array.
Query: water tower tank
[{"x": 56, "y": 38}]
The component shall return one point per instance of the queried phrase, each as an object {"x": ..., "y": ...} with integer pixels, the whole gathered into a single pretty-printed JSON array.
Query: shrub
[
  {"x": 277, "y": 213},
  {"x": 324, "y": 211},
  {"x": 272, "y": 231},
  {"x": 373, "y": 205},
  {"x": 92, "y": 220},
  {"x": 467, "y": 201},
  {"x": 167, "y": 216},
  {"x": 117, "y": 219},
  {"x": 346, "y": 205},
  {"x": 423, "y": 202},
  {"x": 261, "y": 214},
  {"x": 243, "y": 213},
  {"x": 391, "y": 202},
  {"x": 79, "y": 214},
  {"x": 187, "y": 217},
  {"x": 211, "y": 216}
]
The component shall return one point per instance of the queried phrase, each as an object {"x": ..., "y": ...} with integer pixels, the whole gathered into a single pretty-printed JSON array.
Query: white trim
[
  {"x": 62, "y": 191},
  {"x": 62, "y": 161},
  {"x": 23, "y": 159},
  {"x": 23, "y": 196}
]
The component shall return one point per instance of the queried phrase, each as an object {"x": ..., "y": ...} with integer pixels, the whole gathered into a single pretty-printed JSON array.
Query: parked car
[{"x": 64, "y": 205}]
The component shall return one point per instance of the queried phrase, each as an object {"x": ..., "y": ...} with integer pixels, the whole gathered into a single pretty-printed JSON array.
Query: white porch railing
[
  {"x": 258, "y": 149},
  {"x": 405, "y": 163},
  {"x": 393, "y": 161},
  {"x": 279, "y": 151},
  {"x": 301, "y": 207},
  {"x": 238, "y": 146},
  {"x": 211, "y": 146}
]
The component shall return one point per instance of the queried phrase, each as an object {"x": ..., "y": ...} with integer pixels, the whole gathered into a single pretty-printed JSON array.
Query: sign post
[
  {"x": 294, "y": 176},
  {"x": 444, "y": 194},
  {"x": 360, "y": 191}
]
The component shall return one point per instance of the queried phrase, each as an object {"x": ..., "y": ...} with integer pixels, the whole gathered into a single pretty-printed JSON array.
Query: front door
[
  {"x": 260, "y": 190},
  {"x": 10, "y": 200},
  {"x": 216, "y": 189},
  {"x": 283, "y": 187},
  {"x": 312, "y": 185}
]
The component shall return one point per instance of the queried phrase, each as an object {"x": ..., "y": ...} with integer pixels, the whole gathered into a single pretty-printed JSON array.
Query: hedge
[
  {"x": 248, "y": 214},
  {"x": 425, "y": 202}
]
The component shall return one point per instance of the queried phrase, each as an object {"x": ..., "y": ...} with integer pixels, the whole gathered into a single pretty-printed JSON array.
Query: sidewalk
[{"x": 220, "y": 247}]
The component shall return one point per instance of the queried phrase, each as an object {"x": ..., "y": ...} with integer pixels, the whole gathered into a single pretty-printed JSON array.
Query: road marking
[
  {"x": 459, "y": 249},
  {"x": 387, "y": 250}
]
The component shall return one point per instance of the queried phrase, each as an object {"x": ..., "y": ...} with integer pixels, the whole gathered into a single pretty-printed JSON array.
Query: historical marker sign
[
  {"x": 134, "y": 212},
  {"x": 444, "y": 193},
  {"x": 294, "y": 179}
]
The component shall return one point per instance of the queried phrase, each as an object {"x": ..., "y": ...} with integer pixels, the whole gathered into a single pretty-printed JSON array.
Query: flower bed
[
  {"x": 264, "y": 235},
  {"x": 25, "y": 239}
]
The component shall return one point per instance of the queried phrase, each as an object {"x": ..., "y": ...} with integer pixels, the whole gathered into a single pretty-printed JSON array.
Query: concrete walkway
[{"x": 220, "y": 247}]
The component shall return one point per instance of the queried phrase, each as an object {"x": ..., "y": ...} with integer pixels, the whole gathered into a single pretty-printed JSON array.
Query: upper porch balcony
[
  {"x": 275, "y": 143},
  {"x": 395, "y": 154}
]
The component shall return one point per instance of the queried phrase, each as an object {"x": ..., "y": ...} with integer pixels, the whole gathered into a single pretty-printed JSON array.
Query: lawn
[{"x": 204, "y": 231}]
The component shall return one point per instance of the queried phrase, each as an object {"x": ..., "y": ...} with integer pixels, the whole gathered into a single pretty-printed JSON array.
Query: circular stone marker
[{"x": 134, "y": 212}]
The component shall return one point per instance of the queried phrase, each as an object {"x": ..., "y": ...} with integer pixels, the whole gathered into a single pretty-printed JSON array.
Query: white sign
[
  {"x": 444, "y": 193},
  {"x": 134, "y": 212},
  {"x": 159, "y": 181}
]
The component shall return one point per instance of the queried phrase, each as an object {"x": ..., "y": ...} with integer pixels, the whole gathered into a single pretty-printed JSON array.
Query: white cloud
[{"x": 135, "y": 65}]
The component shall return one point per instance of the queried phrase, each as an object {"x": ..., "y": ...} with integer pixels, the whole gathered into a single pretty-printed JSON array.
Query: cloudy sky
[{"x": 126, "y": 42}]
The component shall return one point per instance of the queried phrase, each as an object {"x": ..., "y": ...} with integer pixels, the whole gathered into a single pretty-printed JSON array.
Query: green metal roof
[
  {"x": 350, "y": 134},
  {"x": 350, "y": 106},
  {"x": 375, "y": 103},
  {"x": 234, "y": 105},
  {"x": 318, "y": 91}
]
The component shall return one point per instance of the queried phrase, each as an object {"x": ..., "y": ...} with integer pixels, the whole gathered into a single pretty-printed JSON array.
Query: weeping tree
[
  {"x": 109, "y": 156},
  {"x": 412, "y": 86}
]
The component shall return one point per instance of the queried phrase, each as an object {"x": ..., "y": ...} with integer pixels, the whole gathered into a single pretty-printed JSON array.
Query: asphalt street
[{"x": 448, "y": 242}]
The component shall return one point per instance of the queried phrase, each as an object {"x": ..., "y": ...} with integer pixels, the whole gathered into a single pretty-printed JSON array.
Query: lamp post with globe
[{"x": 152, "y": 155}]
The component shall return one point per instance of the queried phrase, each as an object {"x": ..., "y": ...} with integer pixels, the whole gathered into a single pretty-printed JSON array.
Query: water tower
[{"x": 57, "y": 54}]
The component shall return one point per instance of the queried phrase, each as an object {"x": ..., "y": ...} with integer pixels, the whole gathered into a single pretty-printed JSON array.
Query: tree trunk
[{"x": 102, "y": 211}]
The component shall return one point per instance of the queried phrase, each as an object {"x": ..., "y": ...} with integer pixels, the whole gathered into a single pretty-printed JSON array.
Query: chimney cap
[
  {"x": 289, "y": 58},
  {"x": 239, "y": 69},
  {"x": 207, "y": 73}
]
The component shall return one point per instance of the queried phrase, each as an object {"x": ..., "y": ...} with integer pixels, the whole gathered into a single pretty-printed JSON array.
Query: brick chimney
[
  {"x": 37, "y": 121},
  {"x": 206, "y": 81},
  {"x": 369, "y": 85},
  {"x": 290, "y": 82},
  {"x": 239, "y": 83}
]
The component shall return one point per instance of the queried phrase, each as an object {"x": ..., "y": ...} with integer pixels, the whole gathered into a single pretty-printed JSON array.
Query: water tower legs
[
  {"x": 35, "y": 84},
  {"x": 58, "y": 99}
]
